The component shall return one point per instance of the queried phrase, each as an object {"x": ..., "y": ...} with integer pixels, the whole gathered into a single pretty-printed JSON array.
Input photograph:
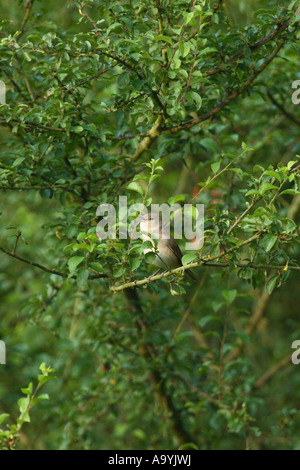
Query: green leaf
[
  {"x": 71, "y": 231},
  {"x": 252, "y": 192},
  {"x": 188, "y": 16},
  {"x": 193, "y": 97},
  {"x": 184, "y": 48},
  {"x": 123, "y": 80},
  {"x": 215, "y": 166},
  {"x": 269, "y": 241},
  {"x": 229, "y": 295},
  {"x": 97, "y": 267},
  {"x": 164, "y": 38},
  {"x": 189, "y": 445},
  {"x": 18, "y": 161},
  {"x": 208, "y": 50},
  {"x": 208, "y": 318},
  {"x": 274, "y": 174},
  {"x": 271, "y": 283},
  {"x": 23, "y": 404},
  {"x": 294, "y": 192},
  {"x": 118, "y": 271},
  {"x": 134, "y": 263},
  {"x": 3, "y": 417},
  {"x": 186, "y": 259},
  {"x": 150, "y": 257},
  {"x": 134, "y": 186},
  {"x": 77, "y": 129},
  {"x": 266, "y": 187},
  {"x": 173, "y": 199},
  {"x": 74, "y": 262}
]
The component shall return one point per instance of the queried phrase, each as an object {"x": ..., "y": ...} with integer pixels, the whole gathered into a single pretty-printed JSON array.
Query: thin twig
[
  {"x": 230, "y": 97},
  {"x": 283, "y": 110},
  {"x": 44, "y": 268},
  {"x": 261, "y": 381},
  {"x": 28, "y": 7}
]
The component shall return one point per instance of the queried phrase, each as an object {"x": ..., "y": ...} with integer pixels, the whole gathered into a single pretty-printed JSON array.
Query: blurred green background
[{"x": 102, "y": 397}]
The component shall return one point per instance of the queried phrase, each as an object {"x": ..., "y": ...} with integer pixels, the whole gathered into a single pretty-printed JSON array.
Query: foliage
[
  {"x": 162, "y": 102},
  {"x": 12, "y": 432}
]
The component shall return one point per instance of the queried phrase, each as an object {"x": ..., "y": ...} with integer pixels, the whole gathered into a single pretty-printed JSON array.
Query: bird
[{"x": 168, "y": 255}]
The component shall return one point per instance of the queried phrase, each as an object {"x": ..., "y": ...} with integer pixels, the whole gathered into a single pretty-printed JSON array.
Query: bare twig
[
  {"x": 283, "y": 110},
  {"x": 240, "y": 217},
  {"x": 44, "y": 268},
  {"x": 261, "y": 381},
  {"x": 28, "y": 7},
  {"x": 187, "y": 312}
]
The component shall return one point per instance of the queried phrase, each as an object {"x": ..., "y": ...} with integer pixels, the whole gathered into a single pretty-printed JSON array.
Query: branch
[
  {"x": 153, "y": 93},
  {"x": 44, "y": 128},
  {"x": 28, "y": 7},
  {"x": 124, "y": 62},
  {"x": 252, "y": 47},
  {"x": 54, "y": 186},
  {"x": 264, "y": 298},
  {"x": 44, "y": 268},
  {"x": 227, "y": 100},
  {"x": 283, "y": 110},
  {"x": 163, "y": 396},
  {"x": 258, "y": 311},
  {"x": 147, "y": 140},
  {"x": 240, "y": 217},
  {"x": 272, "y": 371},
  {"x": 188, "y": 310},
  {"x": 204, "y": 263},
  {"x": 32, "y": 263}
]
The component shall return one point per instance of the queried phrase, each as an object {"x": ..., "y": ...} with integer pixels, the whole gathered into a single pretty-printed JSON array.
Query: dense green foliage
[{"x": 161, "y": 101}]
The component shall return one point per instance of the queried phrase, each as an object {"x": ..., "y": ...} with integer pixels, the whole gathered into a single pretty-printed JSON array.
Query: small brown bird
[{"x": 168, "y": 254}]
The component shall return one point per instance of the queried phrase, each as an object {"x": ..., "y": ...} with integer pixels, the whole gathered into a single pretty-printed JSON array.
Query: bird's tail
[{"x": 192, "y": 275}]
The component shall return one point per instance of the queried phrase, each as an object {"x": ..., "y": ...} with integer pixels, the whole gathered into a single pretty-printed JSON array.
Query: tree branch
[
  {"x": 147, "y": 140},
  {"x": 158, "y": 383},
  {"x": 230, "y": 97},
  {"x": 261, "y": 381},
  {"x": 283, "y": 110},
  {"x": 258, "y": 311},
  {"x": 44, "y": 268},
  {"x": 204, "y": 263},
  {"x": 32, "y": 263},
  {"x": 28, "y": 7},
  {"x": 240, "y": 217},
  {"x": 261, "y": 42}
]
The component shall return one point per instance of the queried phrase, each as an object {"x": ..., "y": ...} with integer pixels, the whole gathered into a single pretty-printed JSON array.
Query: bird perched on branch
[{"x": 168, "y": 255}]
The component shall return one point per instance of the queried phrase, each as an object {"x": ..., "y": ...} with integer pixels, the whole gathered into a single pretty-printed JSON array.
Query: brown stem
[
  {"x": 258, "y": 312},
  {"x": 261, "y": 381},
  {"x": 158, "y": 383},
  {"x": 230, "y": 97},
  {"x": 44, "y": 268},
  {"x": 253, "y": 47},
  {"x": 28, "y": 7},
  {"x": 283, "y": 110}
]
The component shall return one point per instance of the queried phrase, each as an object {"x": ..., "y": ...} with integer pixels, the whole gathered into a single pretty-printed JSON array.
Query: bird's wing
[{"x": 175, "y": 249}]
